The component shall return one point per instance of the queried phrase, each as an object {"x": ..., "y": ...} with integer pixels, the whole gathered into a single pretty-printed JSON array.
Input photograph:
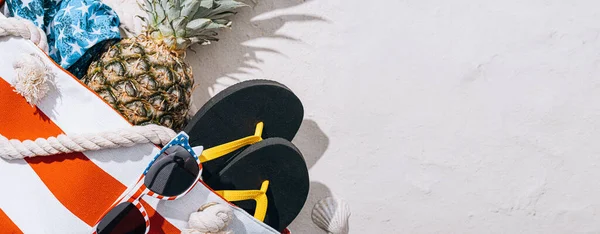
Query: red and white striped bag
[{"x": 68, "y": 193}]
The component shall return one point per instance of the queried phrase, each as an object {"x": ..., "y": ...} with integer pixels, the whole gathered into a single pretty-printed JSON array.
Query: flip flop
[
  {"x": 275, "y": 166},
  {"x": 235, "y": 112}
]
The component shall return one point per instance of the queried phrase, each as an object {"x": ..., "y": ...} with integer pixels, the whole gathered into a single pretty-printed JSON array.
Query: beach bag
[{"x": 68, "y": 193}]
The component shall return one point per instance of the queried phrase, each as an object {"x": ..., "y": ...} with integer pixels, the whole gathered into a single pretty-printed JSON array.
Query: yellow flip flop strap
[
  {"x": 220, "y": 150},
  {"x": 259, "y": 196}
]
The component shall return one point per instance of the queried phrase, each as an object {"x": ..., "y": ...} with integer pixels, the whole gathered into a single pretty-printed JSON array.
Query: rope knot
[
  {"x": 33, "y": 78},
  {"x": 211, "y": 218}
]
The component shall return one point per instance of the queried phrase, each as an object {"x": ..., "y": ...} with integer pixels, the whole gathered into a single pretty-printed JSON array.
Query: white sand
[{"x": 433, "y": 116}]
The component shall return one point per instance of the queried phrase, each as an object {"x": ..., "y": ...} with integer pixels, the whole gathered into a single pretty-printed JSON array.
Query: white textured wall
[{"x": 434, "y": 116}]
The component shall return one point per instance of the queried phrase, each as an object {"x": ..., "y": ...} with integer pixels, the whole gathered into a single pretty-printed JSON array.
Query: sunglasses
[{"x": 173, "y": 172}]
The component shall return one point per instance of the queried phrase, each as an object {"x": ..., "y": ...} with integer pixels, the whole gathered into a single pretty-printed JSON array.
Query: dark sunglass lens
[
  {"x": 173, "y": 172},
  {"x": 124, "y": 218}
]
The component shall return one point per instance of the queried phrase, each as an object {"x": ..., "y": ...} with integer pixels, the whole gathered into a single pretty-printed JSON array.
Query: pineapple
[{"x": 145, "y": 77}]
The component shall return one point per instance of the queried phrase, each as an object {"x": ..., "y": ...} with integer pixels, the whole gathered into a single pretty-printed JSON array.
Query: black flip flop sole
[
  {"x": 276, "y": 160},
  {"x": 234, "y": 112}
]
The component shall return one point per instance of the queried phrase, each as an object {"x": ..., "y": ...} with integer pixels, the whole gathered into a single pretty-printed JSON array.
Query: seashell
[{"x": 331, "y": 214}]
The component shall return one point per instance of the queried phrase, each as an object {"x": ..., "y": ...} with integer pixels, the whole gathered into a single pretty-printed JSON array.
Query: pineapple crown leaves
[{"x": 181, "y": 23}]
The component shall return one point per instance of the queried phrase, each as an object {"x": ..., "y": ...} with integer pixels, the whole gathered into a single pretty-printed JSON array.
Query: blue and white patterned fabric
[{"x": 73, "y": 26}]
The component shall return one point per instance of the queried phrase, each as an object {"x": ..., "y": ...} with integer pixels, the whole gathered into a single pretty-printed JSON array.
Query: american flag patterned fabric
[{"x": 76, "y": 29}]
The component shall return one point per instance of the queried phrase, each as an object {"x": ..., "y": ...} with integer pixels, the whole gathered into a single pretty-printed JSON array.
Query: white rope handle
[
  {"x": 25, "y": 29},
  {"x": 15, "y": 149}
]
